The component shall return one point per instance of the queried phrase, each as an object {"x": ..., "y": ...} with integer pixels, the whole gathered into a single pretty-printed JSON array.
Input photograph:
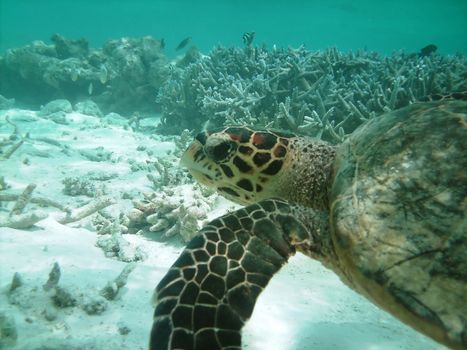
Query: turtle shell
[{"x": 398, "y": 216}]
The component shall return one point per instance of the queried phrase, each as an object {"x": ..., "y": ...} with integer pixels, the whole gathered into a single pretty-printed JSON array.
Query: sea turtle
[{"x": 385, "y": 210}]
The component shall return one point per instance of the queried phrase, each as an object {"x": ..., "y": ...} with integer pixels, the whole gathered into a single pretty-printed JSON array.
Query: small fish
[
  {"x": 162, "y": 43},
  {"x": 427, "y": 50},
  {"x": 90, "y": 88},
  {"x": 248, "y": 38},
  {"x": 183, "y": 43},
  {"x": 103, "y": 75},
  {"x": 74, "y": 75}
]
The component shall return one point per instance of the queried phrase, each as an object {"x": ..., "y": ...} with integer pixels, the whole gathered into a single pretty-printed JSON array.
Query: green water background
[{"x": 380, "y": 25}]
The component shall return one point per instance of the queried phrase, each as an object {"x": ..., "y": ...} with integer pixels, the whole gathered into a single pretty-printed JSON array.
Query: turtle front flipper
[{"x": 210, "y": 291}]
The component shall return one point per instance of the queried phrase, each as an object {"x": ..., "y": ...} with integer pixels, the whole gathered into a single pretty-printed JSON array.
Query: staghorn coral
[
  {"x": 170, "y": 213},
  {"x": 325, "y": 94}
]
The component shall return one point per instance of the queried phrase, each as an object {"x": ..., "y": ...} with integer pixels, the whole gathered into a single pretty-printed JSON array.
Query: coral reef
[
  {"x": 122, "y": 76},
  {"x": 323, "y": 94},
  {"x": 70, "y": 48}
]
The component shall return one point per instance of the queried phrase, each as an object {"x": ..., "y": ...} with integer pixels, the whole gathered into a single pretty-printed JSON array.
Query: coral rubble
[
  {"x": 55, "y": 296},
  {"x": 115, "y": 246},
  {"x": 169, "y": 213}
]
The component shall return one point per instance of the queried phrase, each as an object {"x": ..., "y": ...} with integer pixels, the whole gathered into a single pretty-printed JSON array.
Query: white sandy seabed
[{"x": 304, "y": 307}]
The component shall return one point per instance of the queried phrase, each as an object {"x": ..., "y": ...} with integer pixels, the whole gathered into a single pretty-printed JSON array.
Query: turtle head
[{"x": 243, "y": 165}]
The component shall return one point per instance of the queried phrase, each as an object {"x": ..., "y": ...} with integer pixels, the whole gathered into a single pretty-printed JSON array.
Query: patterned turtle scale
[{"x": 385, "y": 210}]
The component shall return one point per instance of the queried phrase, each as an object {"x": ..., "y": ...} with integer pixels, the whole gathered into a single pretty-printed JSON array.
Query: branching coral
[
  {"x": 324, "y": 94},
  {"x": 167, "y": 173},
  {"x": 170, "y": 213}
]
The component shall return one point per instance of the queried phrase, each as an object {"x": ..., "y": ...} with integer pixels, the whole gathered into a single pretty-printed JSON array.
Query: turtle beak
[
  {"x": 194, "y": 152},
  {"x": 188, "y": 157}
]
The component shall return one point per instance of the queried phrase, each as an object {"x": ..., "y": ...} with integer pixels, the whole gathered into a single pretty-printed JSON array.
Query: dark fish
[
  {"x": 162, "y": 43},
  {"x": 427, "y": 50},
  {"x": 183, "y": 43},
  {"x": 248, "y": 38}
]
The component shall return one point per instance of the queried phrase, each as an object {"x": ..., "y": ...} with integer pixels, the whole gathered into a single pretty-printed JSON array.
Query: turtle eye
[
  {"x": 201, "y": 137},
  {"x": 220, "y": 151}
]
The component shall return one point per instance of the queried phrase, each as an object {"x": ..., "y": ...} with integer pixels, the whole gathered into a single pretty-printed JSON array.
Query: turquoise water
[
  {"x": 383, "y": 26},
  {"x": 108, "y": 126}
]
